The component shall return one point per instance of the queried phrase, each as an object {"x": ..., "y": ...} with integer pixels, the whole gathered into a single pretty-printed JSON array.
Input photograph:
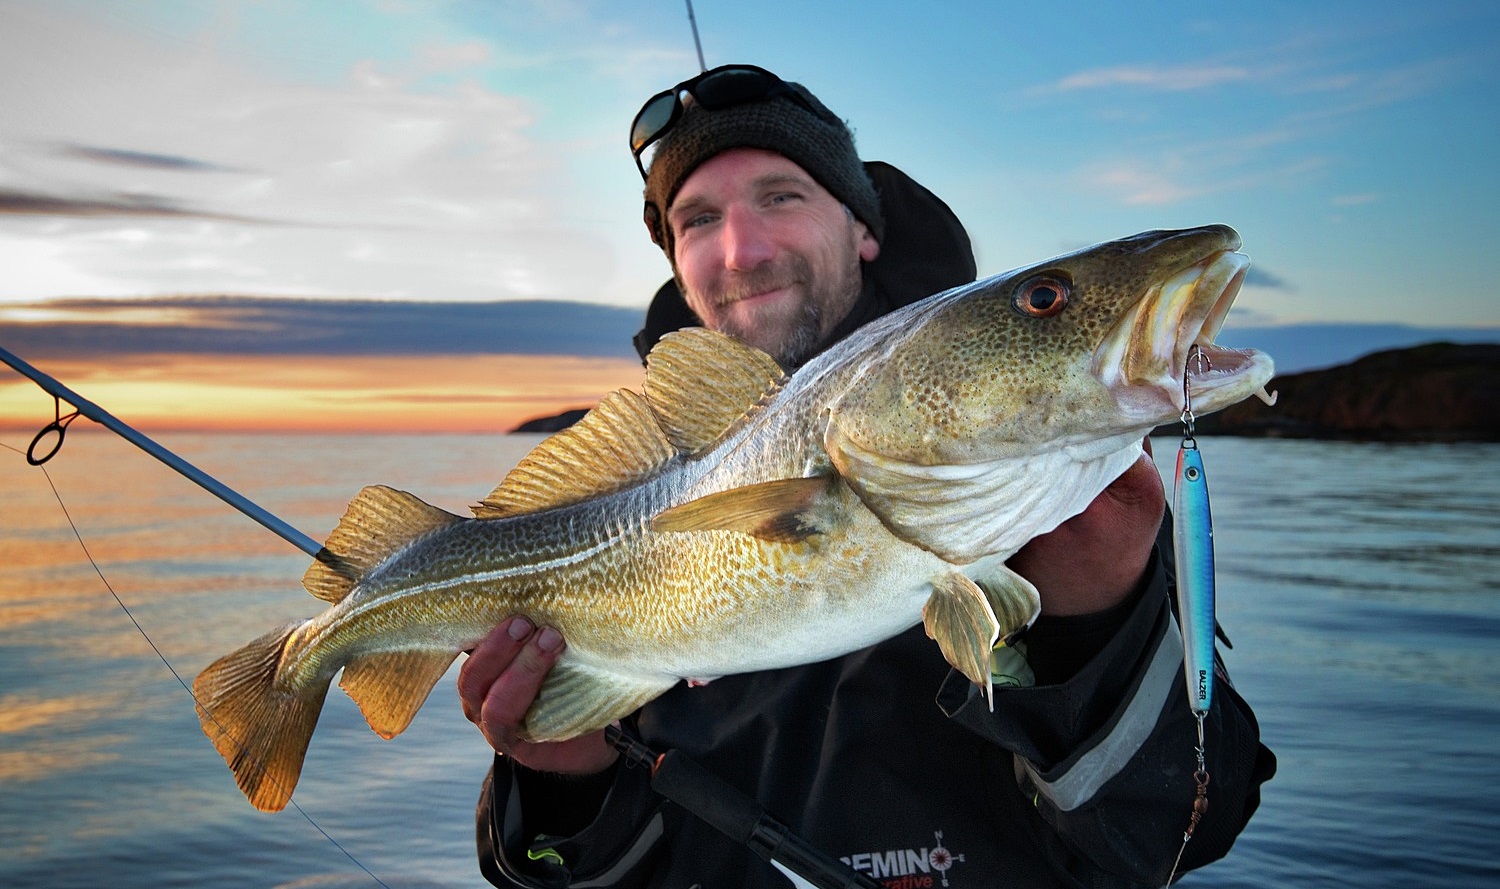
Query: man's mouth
[
  {"x": 756, "y": 288},
  {"x": 763, "y": 296}
]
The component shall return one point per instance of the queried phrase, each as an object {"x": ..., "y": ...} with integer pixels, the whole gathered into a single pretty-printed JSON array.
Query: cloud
[
  {"x": 1153, "y": 78},
  {"x": 18, "y": 202},
  {"x": 1186, "y": 170},
  {"x": 400, "y": 176},
  {"x": 144, "y": 159},
  {"x": 1359, "y": 92},
  {"x": 1258, "y": 277},
  {"x": 230, "y": 325},
  {"x": 1141, "y": 183}
]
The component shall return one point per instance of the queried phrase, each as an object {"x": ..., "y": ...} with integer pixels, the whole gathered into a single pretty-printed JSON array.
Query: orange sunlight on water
[{"x": 448, "y": 393}]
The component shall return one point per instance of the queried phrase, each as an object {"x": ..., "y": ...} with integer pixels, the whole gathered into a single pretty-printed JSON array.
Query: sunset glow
[{"x": 446, "y": 393}]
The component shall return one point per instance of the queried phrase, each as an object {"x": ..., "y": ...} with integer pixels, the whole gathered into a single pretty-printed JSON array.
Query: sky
[{"x": 379, "y": 155}]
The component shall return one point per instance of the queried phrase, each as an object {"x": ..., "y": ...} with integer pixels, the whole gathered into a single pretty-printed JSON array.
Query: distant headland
[
  {"x": 1433, "y": 392},
  {"x": 553, "y": 423}
]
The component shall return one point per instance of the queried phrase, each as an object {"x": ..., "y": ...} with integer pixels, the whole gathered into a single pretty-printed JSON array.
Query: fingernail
[
  {"x": 519, "y": 628},
  {"x": 548, "y": 639}
]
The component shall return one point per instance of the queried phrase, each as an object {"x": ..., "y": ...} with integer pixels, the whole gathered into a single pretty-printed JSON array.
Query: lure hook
[
  {"x": 1197, "y": 362},
  {"x": 58, "y": 425}
]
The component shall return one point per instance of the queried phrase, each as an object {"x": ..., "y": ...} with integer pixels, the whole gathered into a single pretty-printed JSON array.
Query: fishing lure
[{"x": 1193, "y": 545}]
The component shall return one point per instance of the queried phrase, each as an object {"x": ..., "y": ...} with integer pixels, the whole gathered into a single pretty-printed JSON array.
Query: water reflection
[{"x": 1357, "y": 583}]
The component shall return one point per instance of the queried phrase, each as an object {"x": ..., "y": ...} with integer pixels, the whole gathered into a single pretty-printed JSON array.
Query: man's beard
[
  {"x": 806, "y": 331},
  {"x": 805, "y": 337}
]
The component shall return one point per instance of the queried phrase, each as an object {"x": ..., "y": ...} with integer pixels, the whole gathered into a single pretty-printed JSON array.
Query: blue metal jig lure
[{"x": 1193, "y": 545}]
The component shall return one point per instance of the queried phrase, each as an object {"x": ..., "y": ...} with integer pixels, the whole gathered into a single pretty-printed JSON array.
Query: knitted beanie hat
[{"x": 818, "y": 142}]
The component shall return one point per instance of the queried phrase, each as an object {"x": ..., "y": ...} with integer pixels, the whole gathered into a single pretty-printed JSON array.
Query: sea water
[{"x": 1357, "y": 581}]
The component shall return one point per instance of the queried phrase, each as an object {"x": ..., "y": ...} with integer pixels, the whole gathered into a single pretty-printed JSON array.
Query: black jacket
[{"x": 885, "y": 757}]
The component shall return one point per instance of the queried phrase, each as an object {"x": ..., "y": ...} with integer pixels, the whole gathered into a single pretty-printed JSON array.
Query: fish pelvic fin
[
  {"x": 959, "y": 617},
  {"x": 391, "y": 686},
  {"x": 260, "y": 727},
  {"x": 969, "y": 620},
  {"x": 695, "y": 361},
  {"x": 378, "y": 522},
  {"x": 783, "y": 511},
  {"x": 577, "y": 699},
  {"x": 1014, "y": 600},
  {"x": 615, "y": 445}
]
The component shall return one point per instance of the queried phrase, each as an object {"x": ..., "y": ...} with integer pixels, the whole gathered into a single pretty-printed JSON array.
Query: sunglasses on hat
[{"x": 716, "y": 89}]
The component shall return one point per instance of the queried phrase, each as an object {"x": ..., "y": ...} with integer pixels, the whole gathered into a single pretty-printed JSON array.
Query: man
[{"x": 1083, "y": 773}]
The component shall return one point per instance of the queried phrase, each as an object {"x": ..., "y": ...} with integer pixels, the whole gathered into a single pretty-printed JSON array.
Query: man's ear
[{"x": 869, "y": 248}]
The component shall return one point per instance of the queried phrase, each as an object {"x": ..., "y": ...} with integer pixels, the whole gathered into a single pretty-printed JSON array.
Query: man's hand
[
  {"x": 497, "y": 685},
  {"x": 1095, "y": 559}
]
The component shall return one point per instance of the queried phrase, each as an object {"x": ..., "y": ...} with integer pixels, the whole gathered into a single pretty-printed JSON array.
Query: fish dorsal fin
[
  {"x": 782, "y": 511},
  {"x": 615, "y": 445},
  {"x": 378, "y": 522},
  {"x": 701, "y": 382}
]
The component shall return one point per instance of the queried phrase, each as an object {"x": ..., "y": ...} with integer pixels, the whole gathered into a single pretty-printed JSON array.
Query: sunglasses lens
[
  {"x": 715, "y": 90},
  {"x": 655, "y": 117},
  {"x": 734, "y": 86}
]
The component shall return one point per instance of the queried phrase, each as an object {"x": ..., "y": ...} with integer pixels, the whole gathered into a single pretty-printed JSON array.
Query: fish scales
[{"x": 730, "y": 518}]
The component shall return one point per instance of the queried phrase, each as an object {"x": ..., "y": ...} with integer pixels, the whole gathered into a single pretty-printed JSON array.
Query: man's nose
[{"x": 747, "y": 239}]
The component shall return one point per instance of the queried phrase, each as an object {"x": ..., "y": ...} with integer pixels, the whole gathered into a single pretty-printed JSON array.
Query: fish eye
[{"x": 1042, "y": 296}]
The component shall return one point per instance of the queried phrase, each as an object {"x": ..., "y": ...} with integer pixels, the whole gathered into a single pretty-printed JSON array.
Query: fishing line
[
  {"x": 162, "y": 656},
  {"x": 109, "y": 421}
]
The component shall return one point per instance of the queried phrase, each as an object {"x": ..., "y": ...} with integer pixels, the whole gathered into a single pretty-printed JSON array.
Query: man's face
[{"x": 766, "y": 253}]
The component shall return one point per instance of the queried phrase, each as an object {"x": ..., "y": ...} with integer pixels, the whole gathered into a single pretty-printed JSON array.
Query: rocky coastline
[{"x": 1432, "y": 392}]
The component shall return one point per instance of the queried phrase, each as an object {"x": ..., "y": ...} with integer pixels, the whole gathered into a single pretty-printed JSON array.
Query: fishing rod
[
  {"x": 693, "y": 22},
  {"x": 683, "y": 781},
  {"x": 84, "y": 407}
]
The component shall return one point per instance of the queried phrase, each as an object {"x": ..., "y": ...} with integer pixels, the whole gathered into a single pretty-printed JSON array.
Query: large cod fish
[{"x": 732, "y": 518}]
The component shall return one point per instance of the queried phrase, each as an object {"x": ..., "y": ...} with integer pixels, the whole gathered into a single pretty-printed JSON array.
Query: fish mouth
[{"x": 1162, "y": 357}]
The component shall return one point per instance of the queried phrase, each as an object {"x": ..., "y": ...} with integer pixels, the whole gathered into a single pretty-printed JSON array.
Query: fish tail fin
[{"x": 260, "y": 726}]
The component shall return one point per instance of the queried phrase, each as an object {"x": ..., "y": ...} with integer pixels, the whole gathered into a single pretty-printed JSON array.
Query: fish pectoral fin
[
  {"x": 391, "y": 686},
  {"x": 958, "y": 615},
  {"x": 783, "y": 511},
  {"x": 576, "y": 699},
  {"x": 378, "y": 522}
]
